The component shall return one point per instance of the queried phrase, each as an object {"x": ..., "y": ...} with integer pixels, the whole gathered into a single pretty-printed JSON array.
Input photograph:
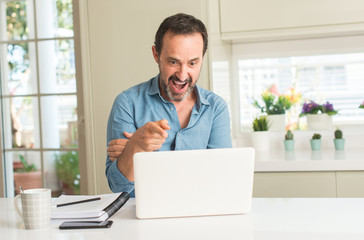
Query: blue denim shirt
[{"x": 209, "y": 125}]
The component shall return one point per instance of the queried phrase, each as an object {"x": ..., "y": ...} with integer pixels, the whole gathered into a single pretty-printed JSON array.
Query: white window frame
[
  {"x": 6, "y": 188},
  {"x": 272, "y": 49}
]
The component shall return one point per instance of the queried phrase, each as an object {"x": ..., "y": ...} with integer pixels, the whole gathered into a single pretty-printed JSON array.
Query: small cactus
[
  {"x": 316, "y": 136},
  {"x": 289, "y": 135},
  {"x": 338, "y": 134}
]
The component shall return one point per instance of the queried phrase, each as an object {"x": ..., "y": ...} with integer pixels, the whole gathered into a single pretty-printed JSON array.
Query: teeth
[{"x": 180, "y": 83}]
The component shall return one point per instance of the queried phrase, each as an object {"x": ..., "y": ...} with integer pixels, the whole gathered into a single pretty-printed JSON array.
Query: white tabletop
[{"x": 271, "y": 218}]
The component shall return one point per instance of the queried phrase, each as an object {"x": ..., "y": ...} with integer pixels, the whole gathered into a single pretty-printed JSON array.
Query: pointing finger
[{"x": 163, "y": 124}]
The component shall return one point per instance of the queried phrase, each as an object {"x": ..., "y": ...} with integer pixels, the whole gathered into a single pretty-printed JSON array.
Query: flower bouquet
[
  {"x": 275, "y": 106},
  {"x": 273, "y": 102}
]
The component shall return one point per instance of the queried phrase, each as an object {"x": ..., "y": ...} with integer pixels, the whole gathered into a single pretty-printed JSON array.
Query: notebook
[
  {"x": 193, "y": 182},
  {"x": 95, "y": 211}
]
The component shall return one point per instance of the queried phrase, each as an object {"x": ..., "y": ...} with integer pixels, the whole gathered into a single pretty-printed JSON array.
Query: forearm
[
  {"x": 125, "y": 161},
  {"x": 116, "y": 180}
]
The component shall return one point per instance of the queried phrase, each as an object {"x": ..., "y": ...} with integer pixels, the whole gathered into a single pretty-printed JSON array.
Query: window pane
[
  {"x": 221, "y": 80},
  {"x": 62, "y": 172},
  {"x": 59, "y": 75},
  {"x": 54, "y": 18},
  {"x": 19, "y": 20},
  {"x": 27, "y": 169},
  {"x": 21, "y": 72},
  {"x": 21, "y": 127},
  {"x": 59, "y": 121}
]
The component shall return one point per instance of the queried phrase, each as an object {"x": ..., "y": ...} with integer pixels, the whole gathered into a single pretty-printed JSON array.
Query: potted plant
[
  {"x": 319, "y": 117},
  {"x": 289, "y": 141},
  {"x": 339, "y": 141},
  {"x": 260, "y": 136},
  {"x": 316, "y": 142},
  {"x": 26, "y": 175},
  {"x": 361, "y": 105},
  {"x": 67, "y": 168},
  {"x": 274, "y": 105}
]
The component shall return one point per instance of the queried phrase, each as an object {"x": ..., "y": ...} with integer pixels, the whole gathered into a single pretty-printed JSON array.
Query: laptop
[{"x": 193, "y": 182}]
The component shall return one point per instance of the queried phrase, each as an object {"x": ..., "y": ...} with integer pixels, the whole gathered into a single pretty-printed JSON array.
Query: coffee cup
[{"x": 36, "y": 207}]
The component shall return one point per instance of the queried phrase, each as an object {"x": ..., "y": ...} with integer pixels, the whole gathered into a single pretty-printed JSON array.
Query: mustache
[{"x": 175, "y": 78}]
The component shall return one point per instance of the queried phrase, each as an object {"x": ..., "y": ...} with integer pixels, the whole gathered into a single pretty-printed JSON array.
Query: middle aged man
[{"x": 168, "y": 112}]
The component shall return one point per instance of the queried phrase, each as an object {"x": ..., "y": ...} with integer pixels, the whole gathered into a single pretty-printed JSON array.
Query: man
[{"x": 168, "y": 112}]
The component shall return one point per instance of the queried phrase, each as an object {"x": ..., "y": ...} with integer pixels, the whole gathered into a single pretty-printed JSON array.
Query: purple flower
[
  {"x": 313, "y": 108},
  {"x": 309, "y": 106},
  {"x": 328, "y": 107}
]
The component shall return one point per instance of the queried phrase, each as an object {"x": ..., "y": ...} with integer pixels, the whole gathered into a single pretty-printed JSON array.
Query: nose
[{"x": 182, "y": 73}]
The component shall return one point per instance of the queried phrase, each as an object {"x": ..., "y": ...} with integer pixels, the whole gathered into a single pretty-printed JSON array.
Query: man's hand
[
  {"x": 148, "y": 138},
  {"x": 116, "y": 146},
  {"x": 151, "y": 136}
]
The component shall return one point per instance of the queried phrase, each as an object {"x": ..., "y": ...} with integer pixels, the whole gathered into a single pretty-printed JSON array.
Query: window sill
[
  {"x": 303, "y": 158},
  {"x": 307, "y": 160}
]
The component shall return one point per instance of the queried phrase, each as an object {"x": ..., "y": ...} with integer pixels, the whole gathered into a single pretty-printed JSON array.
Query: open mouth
[{"x": 179, "y": 86}]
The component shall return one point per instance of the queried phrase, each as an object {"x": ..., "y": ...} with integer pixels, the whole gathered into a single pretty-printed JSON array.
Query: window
[
  {"x": 319, "y": 69},
  {"x": 39, "y": 95}
]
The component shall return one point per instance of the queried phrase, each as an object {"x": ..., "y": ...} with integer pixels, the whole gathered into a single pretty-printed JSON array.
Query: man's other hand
[{"x": 115, "y": 148}]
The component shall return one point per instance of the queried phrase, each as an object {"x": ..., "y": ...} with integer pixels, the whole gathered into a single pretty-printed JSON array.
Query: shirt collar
[
  {"x": 154, "y": 86},
  {"x": 201, "y": 99},
  {"x": 154, "y": 89}
]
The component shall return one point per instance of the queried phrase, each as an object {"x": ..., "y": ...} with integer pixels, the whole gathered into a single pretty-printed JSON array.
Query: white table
[{"x": 271, "y": 218}]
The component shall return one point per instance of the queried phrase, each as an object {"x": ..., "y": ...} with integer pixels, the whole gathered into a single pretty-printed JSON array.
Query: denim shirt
[{"x": 209, "y": 125}]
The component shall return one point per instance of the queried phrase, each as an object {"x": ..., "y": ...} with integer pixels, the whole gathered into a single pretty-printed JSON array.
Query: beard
[{"x": 175, "y": 96}]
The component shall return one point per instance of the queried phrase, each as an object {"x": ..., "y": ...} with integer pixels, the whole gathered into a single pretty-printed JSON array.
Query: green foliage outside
[
  {"x": 64, "y": 14},
  {"x": 67, "y": 168},
  {"x": 17, "y": 29},
  {"x": 16, "y": 20},
  {"x": 26, "y": 167}
]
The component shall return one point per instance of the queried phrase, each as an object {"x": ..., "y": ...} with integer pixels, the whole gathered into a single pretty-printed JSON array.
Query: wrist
[{"x": 125, "y": 161}]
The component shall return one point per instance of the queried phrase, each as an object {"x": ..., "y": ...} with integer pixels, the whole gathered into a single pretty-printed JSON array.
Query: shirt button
[{"x": 172, "y": 109}]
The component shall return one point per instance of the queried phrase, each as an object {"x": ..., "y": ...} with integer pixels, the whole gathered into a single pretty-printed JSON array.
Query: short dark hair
[{"x": 180, "y": 23}]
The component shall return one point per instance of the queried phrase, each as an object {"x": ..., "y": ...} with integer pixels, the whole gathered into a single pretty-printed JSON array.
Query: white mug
[{"x": 36, "y": 207}]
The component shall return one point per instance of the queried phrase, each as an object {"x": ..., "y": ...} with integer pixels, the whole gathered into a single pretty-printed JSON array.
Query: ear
[{"x": 155, "y": 54}]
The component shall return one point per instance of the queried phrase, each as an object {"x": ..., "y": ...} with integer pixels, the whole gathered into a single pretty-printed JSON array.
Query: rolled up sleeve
[{"x": 117, "y": 181}]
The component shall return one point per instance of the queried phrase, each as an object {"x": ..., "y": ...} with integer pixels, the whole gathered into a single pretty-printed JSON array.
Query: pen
[{"x": 77, "y": 202}]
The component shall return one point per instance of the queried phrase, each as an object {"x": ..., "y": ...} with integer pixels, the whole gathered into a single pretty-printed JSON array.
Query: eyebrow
[{"x": 191, "y": 60}]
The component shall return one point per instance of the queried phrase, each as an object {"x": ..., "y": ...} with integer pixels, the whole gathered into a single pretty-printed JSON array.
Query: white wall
[{"x": 116, "y": 39}]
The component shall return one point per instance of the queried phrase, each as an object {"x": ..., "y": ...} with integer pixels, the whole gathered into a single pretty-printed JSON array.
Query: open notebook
[{"x": 193, "y": 182}]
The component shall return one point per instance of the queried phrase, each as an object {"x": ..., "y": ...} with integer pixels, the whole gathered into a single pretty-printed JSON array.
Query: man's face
[{"x": 179, "y": 64}]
